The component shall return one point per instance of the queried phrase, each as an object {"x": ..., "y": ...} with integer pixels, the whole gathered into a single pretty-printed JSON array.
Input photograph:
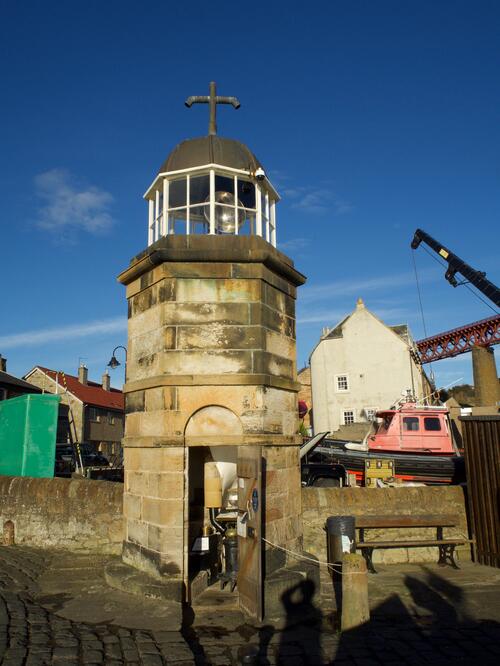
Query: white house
[{"x": 360, "y": 366}]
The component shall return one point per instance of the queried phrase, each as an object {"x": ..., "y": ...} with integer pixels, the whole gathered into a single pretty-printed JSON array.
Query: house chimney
[
  {"x": 83, "y": 374},
  {"x": 3, "y": 364},
  {"x": 106, "y": 381}
]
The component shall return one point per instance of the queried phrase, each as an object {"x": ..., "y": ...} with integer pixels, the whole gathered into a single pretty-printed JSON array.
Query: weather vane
[{"x": 212, "y": 100}]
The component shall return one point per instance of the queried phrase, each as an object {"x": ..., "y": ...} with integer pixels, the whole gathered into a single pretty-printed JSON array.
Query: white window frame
[
  {"x": 372, "y": 410},
  {"x": 337, "y": 387},
  {"x": 348, "y": 411}
]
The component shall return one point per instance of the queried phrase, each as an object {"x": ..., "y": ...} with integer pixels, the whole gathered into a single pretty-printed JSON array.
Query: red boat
[{"x": 417, "y": 438}]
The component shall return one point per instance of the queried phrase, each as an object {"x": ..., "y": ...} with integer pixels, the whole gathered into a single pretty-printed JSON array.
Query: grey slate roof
[{"x": 6, "y": 379}]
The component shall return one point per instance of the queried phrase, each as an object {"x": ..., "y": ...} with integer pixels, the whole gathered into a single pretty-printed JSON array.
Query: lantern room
[{"x": 212, "y": 185}]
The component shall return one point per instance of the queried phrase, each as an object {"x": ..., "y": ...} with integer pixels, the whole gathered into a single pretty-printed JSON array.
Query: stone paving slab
[{"x": 55, "y": 608}]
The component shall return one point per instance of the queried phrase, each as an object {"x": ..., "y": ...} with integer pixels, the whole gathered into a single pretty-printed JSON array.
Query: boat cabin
[{"x": 415, "y": 429}]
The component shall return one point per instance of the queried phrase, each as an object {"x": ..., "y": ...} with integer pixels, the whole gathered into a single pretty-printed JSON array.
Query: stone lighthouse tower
[{"x": 211, "y": 378}]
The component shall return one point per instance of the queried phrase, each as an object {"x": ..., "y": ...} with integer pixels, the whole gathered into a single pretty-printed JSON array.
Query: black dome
[{"x": 210, "y": 149}]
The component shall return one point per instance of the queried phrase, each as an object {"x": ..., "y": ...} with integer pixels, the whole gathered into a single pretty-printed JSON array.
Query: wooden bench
[{"x": 446, "y": 546}]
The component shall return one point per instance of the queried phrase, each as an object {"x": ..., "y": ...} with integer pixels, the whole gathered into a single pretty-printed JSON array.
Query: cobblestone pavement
[{"x": 434, "y": 621}]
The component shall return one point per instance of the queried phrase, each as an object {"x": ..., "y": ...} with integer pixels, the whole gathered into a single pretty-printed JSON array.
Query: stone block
[
  {"x": 270, "y": 364},
  {"x": 278, "y": 344},
  {"x": 137, "y": 483},
  {"x": 208, "y": 362},
  {"x": 196, "y": 270},
  {"x": 134, "y": 402},
  {"x": 149, "y": 320},
  {"x": 279, "y": 301},
  {"x": 166, "y": 485},
  {"x": 175, "y": 314},
  {"x": 137, "y": 531},
  {"x": 218, "y": 336},
  {"x": 217, "y": 291},
  {"x": 163, "y": 512},
  {"x": 132, "y": 505},
  {"x": 159, "y": 459},
  {"x": 262, "y": 315},
  {"x": 169, "y": 337},
  {"x": 154, "y": 399}
]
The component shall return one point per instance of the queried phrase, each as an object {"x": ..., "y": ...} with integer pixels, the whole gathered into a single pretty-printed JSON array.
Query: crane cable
[{"x": 431, "y": 372}]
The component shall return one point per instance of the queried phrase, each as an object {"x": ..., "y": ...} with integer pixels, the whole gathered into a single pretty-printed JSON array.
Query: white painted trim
[
  {"x": 212, "y": 201},
  {"x": 235, "y": 188},
  {"x": 157, "y": 214},
  {"x": 164, "y": 229},
  {"x": 65, "y": 390},
  {"x": 150, "y": 221},
  {"x": 258, "y": 215},
  {"x": 206, "y": 167},
  {"x": 273, "y": 223},
  {"x": 188, "y": 216}
]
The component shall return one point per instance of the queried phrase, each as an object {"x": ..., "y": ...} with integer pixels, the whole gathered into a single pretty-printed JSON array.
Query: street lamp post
[{"x": 114, "y": 362}]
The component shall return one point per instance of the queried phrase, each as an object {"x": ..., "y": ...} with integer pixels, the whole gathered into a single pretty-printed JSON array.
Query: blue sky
[{"x": 372, "y": 119}]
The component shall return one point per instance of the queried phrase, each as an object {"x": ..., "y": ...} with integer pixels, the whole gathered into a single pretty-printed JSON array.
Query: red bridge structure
[{"x": 483, "y": 333}]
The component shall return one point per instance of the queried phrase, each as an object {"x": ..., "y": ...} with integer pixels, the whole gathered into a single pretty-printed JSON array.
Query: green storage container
[{"x": 28, "y": 428}]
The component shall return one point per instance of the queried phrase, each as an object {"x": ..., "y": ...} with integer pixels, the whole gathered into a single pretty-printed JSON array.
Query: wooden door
[{"x": 249, "y": 530}]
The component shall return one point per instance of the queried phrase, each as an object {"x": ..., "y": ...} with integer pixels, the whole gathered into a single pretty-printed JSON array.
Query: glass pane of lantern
[
  {"x": 246, "y": 193},
  {"x": 199, "y": 189},
  {"x": 224, "y": 184},
  {"x": 177, "y": 193},
  {"x": 198, "y": 218},
  {"x": 224, "y": 218},
  {"x": 178, "y": 220},
  {"x": 247, "y": 228},
  {"x": 263, "y": 206}
]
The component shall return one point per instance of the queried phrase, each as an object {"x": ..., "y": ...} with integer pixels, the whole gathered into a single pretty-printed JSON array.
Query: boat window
[
  {"x": 432, "y": 423},
  {"x": 410, "y": 423},
  {"x": 383, "y": 425}
]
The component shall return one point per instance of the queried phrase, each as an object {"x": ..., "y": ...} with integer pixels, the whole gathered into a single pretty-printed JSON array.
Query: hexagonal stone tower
[{"x": 211, "y": 379}]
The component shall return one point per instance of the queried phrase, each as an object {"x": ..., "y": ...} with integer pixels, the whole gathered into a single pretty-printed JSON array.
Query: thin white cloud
[
  {"x": 316, "y": 200},
  {"x": 49, "y": 335},
  {"x": 351, "y": 287},
  {"x": 333, "y": 317},
  {"x": 294, "y": 244},
  {"x": 68, "y": 207}
]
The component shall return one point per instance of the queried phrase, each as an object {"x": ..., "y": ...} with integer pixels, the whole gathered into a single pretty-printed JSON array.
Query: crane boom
[{"x": 457, "y": 265}]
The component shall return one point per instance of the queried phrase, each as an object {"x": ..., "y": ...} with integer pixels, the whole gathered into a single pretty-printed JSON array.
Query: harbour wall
[
  {"x": 85, "y": 515},
  {"x": 70, "y": 514},
  {"x": 320, "y": 503}
]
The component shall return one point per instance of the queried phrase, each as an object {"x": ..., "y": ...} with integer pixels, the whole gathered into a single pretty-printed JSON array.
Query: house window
[
  {"x": 111, "y": 418},
  {"x": 94, "y": 414},
  {"x": 370, "y": 413},
  {"x": 342, "y": 383},
  {"x": 348, "y": 416},
  {"x": 3, "y": 394}
]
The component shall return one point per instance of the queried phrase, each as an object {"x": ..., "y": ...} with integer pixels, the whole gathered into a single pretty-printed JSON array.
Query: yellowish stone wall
[{"x": 211, "y": 323}]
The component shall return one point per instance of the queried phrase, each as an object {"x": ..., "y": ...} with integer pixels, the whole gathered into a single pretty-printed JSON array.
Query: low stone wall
[
  {"x": 70, "y": 514},
  {"x": 319, "y": 503}
]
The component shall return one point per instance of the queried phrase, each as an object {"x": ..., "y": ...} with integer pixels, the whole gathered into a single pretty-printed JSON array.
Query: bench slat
[
  {"x": 428, "y": 520},
  {"x": 409, "y": 544}
]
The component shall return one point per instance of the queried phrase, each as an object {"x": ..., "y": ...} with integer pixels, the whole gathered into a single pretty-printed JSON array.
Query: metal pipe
[{"x": 217, "y": 526}]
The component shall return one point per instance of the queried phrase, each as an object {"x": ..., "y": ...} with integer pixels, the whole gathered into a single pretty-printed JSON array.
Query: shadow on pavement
[{"x": 438, "y": 630}]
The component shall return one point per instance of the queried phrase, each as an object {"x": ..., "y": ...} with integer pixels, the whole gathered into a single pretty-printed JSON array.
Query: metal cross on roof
[{"x": 213, "y": 99}]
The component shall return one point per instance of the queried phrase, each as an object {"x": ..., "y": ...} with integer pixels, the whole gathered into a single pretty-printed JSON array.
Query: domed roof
[{"x": 211, "y": 149}]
